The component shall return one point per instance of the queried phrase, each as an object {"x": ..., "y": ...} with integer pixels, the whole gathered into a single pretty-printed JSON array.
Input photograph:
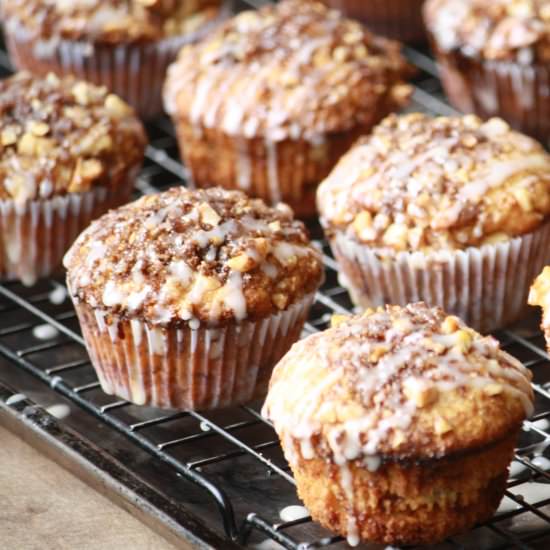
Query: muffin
[
  {"x": 453, "y": 211},
  {"x": 399, "y": 19},
  {"x": 494, "y": 58},
  {"x": 539, "y": 295},
  {"x": 69, "y": 151},
  {"x": 274, "y": 97},
  {"x": 124, "y": 45},
  {"x": 187, "y": 299},
  {"x": 400, "y": 424}
]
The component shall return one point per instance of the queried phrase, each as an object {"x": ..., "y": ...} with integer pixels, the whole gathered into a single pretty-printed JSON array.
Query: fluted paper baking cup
[
  {"x": 487, "y": 287},
  {"x": 185, "y": 368},
  {"x": 135, "y": 71},
  {"x": 398, "y": 19},
  {"x": 35, "y": 235},
  {"x": 288, "y": 170},
  {"x": 518, "y": 93}
]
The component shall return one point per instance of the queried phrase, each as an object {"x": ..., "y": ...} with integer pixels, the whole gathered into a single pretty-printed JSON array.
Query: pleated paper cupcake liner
[
  {"x": 515, "y": 92},
  {"x": 35, "y": 235},
  {"x": 487, "y": 287},
  {"x": 397, "y": 19},
  {"x": 275, "y": 171},
  {"x": 135, "y": 72},
  {"x": 185, "y": 368}
]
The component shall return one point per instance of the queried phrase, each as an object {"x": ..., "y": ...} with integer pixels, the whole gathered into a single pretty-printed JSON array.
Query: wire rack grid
[{"x": 202, "y": 448}]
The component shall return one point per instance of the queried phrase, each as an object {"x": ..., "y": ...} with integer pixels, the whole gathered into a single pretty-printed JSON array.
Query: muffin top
[
  {"x": 109, "y": 21},
  {"x": 397, "y": 383},
  {"x": 205, "y": 256},
  {"x": 62, "y": 136},
  {"x": 539, "y": 295},
  {"x": 516, "y": 30},
  {"x": 424, "y": 183},
  {"x": 291, "y": 70}
]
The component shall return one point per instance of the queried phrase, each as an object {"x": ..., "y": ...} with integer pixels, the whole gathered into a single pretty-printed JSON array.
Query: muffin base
[
  {"x": 398, "y": 19},
  {"x": 287, "y": 171},
  {"x": 135, "y": 71},
  {"x": 35, "y": 235},
  {"x": 405, "y": 503},
  {"x": 486, "y": 287},
  {"x": 517, "y": 93},
  {"x": 184, "y": 368}
]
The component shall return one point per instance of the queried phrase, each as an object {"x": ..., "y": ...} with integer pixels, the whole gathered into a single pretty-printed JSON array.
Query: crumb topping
[
  {"x": 62, "y": 136},
  {"x": 111, "y": 21},
  {"x": 397, "y": 382},
  {"x": 539, "y": 295},
  {"x": 288, "y": 70},
  {"x": 194, "y": 256},
  {"x": 516, "y": 30},
  {"x": 423, "y": 183}
]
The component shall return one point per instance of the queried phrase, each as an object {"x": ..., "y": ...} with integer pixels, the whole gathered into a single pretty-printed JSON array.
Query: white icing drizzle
[
  {"x": 58, "y": 295},
  {"x": 499, "y": 172},
  {"x": 272, "y": 171},
  {"x": 45, "y": 332},
  {"x": 293, "y": 513}
]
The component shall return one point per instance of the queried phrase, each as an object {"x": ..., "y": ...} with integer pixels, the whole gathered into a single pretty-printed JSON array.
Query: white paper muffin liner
[
  {"x": 519, "y": 93},
  {"x": 135, "y": 72},
  {"x": 185, "y": 368},
  {"x": 486, "y": 287},
  {"x": 35, "y": 235}
]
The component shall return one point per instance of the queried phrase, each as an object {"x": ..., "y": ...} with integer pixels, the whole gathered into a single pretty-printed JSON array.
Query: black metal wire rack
[{"x": 233, "y": 456}]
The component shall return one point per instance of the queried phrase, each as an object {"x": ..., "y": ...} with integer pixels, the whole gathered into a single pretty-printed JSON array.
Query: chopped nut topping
[
  {"x": 500, "y": 29},
  {"x": 316, "y": 82},
  {"x": 408, "y": 404},
  {"x": 110, "y": 21},
  {"x": 441, "y": 183},
  {"x": 60, "y": 130},
  {"x": 206, "y": 255},
  {"x": 336, "y": 320},
  {"x": 208, "y": 214}
]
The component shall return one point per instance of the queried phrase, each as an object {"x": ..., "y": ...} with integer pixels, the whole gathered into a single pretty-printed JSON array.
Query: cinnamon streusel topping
[
  {"x": 401, "y": 383},
  {"x": 194, "y": 256},
  {"x": 499, "y": 29},
  {"x": 423, "y": 183},
  {"x": 111, "y": 21},
  {"x": 62, "y": 136},
  {"x": 291, "y": 70}
]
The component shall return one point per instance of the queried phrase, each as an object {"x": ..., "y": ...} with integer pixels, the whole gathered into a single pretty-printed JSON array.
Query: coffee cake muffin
[
  {"x": 453, "y": 211},
  {"x": 69, "y": 151},
  {"x": 539, "y": 295},
  {"x": 494, "y": 58},
  {"x": 400, "y": 424},
  {"x": 273, "y": 98},
  {"x": 398, "y": 19},
  {"x": 125, "y": 45},
  {"x": 187, "y": 299}
]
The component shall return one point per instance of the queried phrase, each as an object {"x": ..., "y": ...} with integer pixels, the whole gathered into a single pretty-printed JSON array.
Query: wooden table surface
[{"x": 44, "y": 507}]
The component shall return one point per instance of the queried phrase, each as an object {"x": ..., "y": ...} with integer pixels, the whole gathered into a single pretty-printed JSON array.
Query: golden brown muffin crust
[
  {"x": 62, "y": 136},
  {"x": 110, "y": 21},
  {"x": 516, "y": 30},
  {"x": 424, "y": 183},
  {"x": 286, "y": 71},
  {"x": 396, "y": 384},
  {"x": 194, "y": 256}
]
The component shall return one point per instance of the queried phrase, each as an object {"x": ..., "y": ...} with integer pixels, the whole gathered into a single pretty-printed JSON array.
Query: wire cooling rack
[{"x": 227, "y": 466}]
